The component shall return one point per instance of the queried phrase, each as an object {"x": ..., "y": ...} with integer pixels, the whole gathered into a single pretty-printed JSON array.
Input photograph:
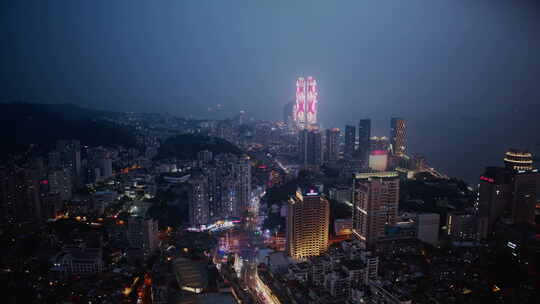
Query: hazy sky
[{"x": 465, "y": 73}]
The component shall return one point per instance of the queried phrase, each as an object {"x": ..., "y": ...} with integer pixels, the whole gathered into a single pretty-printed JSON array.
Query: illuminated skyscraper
[
  {"x": 311, "y": 101},
  {"x": 375, "y": 205},
  {"x": 305, "y": 108},
  {"x": 331, "y": 145},
  {"x": 300, "y": 106},
  {"x": 308, "y": 217},
  {"x": 398, "y": 136}
]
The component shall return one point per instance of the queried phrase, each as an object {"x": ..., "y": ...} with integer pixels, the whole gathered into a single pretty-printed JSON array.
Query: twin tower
[{"x": 305, "y": 108}]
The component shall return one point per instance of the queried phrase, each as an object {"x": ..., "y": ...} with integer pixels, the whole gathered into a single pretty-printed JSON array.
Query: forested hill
[
  {"x": 186, "y": 146},
  {"x": 22, "y": 124}
]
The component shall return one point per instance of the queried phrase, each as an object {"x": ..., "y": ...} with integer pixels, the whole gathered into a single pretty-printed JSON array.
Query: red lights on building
[
  {"x": 487, "y": 179},
  {"x": 379, "y": 152}
]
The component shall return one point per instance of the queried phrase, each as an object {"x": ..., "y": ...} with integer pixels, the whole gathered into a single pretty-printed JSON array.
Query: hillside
[
  {"x": 22, "y": 124},
  {"x": 186, "y": 146}
]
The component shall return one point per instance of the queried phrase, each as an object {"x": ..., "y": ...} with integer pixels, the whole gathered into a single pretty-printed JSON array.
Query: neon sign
[
  {"x": 487, "y": 179},
  {"x": 312, "y": 192}
]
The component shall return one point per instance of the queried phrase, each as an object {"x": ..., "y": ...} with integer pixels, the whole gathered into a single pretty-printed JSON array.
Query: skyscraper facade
[
  {"x": 300, "y": 105},
  {"x": 198, "y": 203},
  {"x": 242, "y": 174},
  {"x": 308, "y": 217},
  {"x": 310, "y": 149},
  {"x": 375, "y": 205},
  {"x": 526, "y": 187},
  {"x": 312, "y": 98},
  {"x": 331, "y": 145},
  {"x": 398, "y": 136},
  {"x": 350, "y": 141},
  {"x": 306, "y": 105},
  {"x": 364, "y": 137},
  {"x": 494, "y": 194}
]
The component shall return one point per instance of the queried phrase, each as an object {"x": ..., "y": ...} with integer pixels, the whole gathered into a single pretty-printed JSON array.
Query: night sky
[{"x": 465, "y": 73}]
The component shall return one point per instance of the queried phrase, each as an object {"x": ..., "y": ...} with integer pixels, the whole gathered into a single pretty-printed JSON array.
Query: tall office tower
[
  {"x": 242, "y": 175},
  {"x": 332, "y": 145},
  {"x": 308, "y": 217},
  {"x": 310, "y": 149},
  {"x": 143, "y": 234},
  {"x": 350, "y": 141},
  {"x": 518, "y": 160},
  {"x": 300, "y": 105},
  {"x": 311, "y": 101},
  {"x": 526, "y": 187},
  {"x": 364, "y": 139},
  {"x": 398, "y": 136},
  {"x": 198, "y": 204},
  {"x": 494, "y": 195},
  {"x": 305, "y": 107},
  {"x": 375, "y": 205}
]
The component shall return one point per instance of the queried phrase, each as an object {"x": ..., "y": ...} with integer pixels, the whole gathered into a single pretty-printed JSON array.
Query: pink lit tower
[
  {"x": 311, "y": 104},
  {"x": 300, "y": 106},
  {"x": 305, "y": 108}
]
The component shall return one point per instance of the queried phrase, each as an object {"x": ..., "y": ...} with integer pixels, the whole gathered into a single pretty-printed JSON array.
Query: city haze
[{"x": 463, "y": 73}]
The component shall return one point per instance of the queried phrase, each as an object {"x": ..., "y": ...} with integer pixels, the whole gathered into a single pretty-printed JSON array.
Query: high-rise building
[
  {"x": 526, "y": 187},
  {"x": 350, "y": 141},
  {"x": 143, "y": 234},
  {"x": 427, "y": 225},
  {"x": 398, "y": 136},
  {"x": 70, "y": 156},
  {"x": 19, "y": 195},
  {"x": 308, "y": 217},
  {"x": 379, "y": 143},
  {"x": 518, "y": 160},
  {"x": 461, "y": 226},
  {"x": 242, "y": 175},
  {"x": 494, "y": 195},
  {"x": 104, "y": 166},
  {"x": 378, "y": 160},
  {"x": 198, "y": 204},
  {"x": 305, "y": 107},
  {"x": 375, "y": 205},
  {"x": 60, "y": 182},
  {"x": 364, "y": 137},
  {"x": 300, "y": 105},
  {"x": 311, "y": 101},
  {"x": 331, "y": 145},
  {"x": 310, "y": 149}
]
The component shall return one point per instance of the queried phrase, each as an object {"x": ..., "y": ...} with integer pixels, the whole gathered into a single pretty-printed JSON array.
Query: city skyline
[{"x": 270, "y": 152}]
